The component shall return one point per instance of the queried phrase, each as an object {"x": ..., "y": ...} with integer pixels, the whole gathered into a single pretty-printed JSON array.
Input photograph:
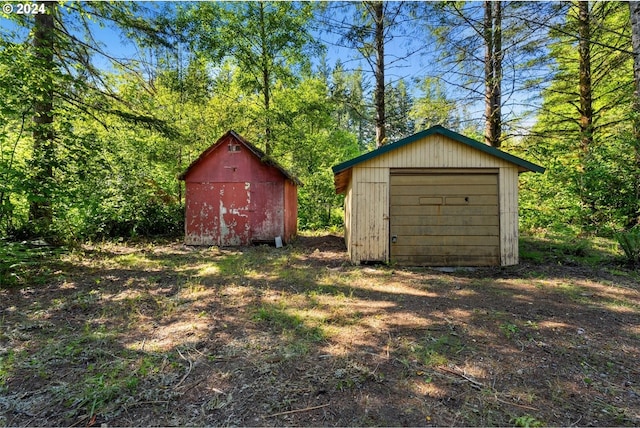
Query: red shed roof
[{"x": 253, "y": 149}]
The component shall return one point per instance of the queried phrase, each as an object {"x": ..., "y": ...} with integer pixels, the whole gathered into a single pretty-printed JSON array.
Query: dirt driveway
[{"x": 163, "y": 334}]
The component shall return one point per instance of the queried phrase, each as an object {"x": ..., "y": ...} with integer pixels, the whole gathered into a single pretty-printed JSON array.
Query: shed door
[{"x": 444, "y": 219}]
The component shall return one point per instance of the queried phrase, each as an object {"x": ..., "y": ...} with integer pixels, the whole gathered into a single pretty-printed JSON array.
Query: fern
[{"x": 630, "y": 243}]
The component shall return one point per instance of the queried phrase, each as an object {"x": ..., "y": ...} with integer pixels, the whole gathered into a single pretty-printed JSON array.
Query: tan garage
[{"x": 436, "y": 198}]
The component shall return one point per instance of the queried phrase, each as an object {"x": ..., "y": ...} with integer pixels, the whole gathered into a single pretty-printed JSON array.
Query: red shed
[{"x": 236, "y": 195}]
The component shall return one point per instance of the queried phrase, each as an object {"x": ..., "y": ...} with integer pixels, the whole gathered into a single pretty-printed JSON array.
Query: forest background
[{"x": 94, "y": 129}]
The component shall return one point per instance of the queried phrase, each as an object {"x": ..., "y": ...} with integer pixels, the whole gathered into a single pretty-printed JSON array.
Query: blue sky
[{"x": 417, "y": 66}]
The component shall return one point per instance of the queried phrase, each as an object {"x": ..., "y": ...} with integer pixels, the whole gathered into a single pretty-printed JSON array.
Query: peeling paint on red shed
[{"x": 235, "y": 196}]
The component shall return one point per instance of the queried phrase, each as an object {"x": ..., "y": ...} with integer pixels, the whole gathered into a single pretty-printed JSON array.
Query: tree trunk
[
  {"x": 378, "y": 12},
  {"x": 266, "y": 82},
  {"x": 634, "y": 12},
  {"x": 585, "y": 87},
  {"x": 492, "y": 32},
  {"x": 40, "y": 211},
  {"x": 634, "y": 9}
]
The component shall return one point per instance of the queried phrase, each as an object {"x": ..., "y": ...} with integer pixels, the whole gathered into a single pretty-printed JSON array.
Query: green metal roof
[{"x": 447, "y": 133}]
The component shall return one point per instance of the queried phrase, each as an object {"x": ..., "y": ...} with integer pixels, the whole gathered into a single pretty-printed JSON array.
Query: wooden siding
[
  {"x": 369, "y": 227},
  {"x": 424, "y": 230},
  {"x": 348, "y": 214},
  {"x": 290, "y": 211},
  {"x": 365, "y": 215},
  {"x": 509, "y": 233}
]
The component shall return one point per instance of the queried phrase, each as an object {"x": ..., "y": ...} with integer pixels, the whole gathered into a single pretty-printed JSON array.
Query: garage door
[{"x": 444, "y": 219}]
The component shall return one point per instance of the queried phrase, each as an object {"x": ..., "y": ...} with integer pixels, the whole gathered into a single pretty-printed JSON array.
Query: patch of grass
[
  {"x": 529, "y": 251},
  {"x": 573, "y": 292},
  {"x": 233, "y": 265},
  {"x": 629, "y": 241},
  {"x": 137, "y": 261},
  {"x": 104, "y": 379},
  {"x": 22, "y": 263},
  {"x": 279, "y": 318},
  {"x": 7, "y": 366},
  {"x": 498, "y": 315},
  {"x": 567, "y": 249},
  {"x": 436, "y": 351},
  {"x": 620, "y": 303}
]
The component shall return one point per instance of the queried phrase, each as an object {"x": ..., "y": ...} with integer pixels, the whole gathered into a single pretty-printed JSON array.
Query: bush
[{"x": 630, "y": 243}]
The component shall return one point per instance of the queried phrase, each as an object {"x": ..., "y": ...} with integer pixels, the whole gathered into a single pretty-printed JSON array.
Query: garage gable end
[{"x": 342, "y": 172}]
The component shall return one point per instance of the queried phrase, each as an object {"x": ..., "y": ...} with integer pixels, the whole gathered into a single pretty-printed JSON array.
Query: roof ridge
[{"x": 439, "y": 129}]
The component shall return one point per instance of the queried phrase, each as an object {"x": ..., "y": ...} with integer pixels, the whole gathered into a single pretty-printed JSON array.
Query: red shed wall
[
  {"x": 269, "y": 212},
  {"x": 233, "y": 198},
  {"x": 290, "y": 211}
]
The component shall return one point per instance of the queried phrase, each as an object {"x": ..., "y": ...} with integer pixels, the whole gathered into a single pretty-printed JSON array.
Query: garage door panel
[
  {"x": 442, "y": 211},
  {"x": 473, "y": 251},
  {"x": 444, "y": 179},
  {"x": 445, "y": 190},
  {"x": 437, "y": 230},
  {"x": 462, "y": 241},
  {"x": 414, "y": 200},
  {"x": 460, "y": 260},
  {"x": 446, "y": 220}
]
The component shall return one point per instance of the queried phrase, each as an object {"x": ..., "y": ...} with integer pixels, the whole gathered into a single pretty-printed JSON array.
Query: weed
[
  {"x": 23, "y": 263},
  {"x": 619, "y": 415},
  {"x": 566, "y": 247},
  {"x": 84, "y": 300},
  {"x": 509, "y": 329},
  {"x": 619, "y": 303},
  {"x": 574, "y": 292},
  {"x": 526, "y": 421},
  {"x": 532, "y": 324},
  {"x": 354, "y": 374},
  {"x": 532, "y": 255}
]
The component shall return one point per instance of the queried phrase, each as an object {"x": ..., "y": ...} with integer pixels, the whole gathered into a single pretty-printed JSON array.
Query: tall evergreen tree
[
  {"x": 492, "y": 34},
  {"x": 40, "y": 213},
  {"x": 481, "y": 43},
  {"x": 268, "y": 41},
  {"x": 367, "y": 28},
  {"x": 584, "y": 116},
  {"x": 63, "y": 83}
]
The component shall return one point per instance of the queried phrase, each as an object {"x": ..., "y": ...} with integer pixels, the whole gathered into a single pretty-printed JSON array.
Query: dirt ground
[{"x": 164, "y": 334}]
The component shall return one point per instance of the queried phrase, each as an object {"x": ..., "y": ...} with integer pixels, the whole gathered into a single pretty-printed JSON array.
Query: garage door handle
[{"x": 394, "y": 239}]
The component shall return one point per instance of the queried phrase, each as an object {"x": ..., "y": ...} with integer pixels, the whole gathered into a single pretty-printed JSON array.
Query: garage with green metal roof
[{"x": 435, "y": 198}]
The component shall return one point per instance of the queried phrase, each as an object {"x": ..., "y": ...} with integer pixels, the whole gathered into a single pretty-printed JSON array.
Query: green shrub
[{"x": 630, "y": 243}]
